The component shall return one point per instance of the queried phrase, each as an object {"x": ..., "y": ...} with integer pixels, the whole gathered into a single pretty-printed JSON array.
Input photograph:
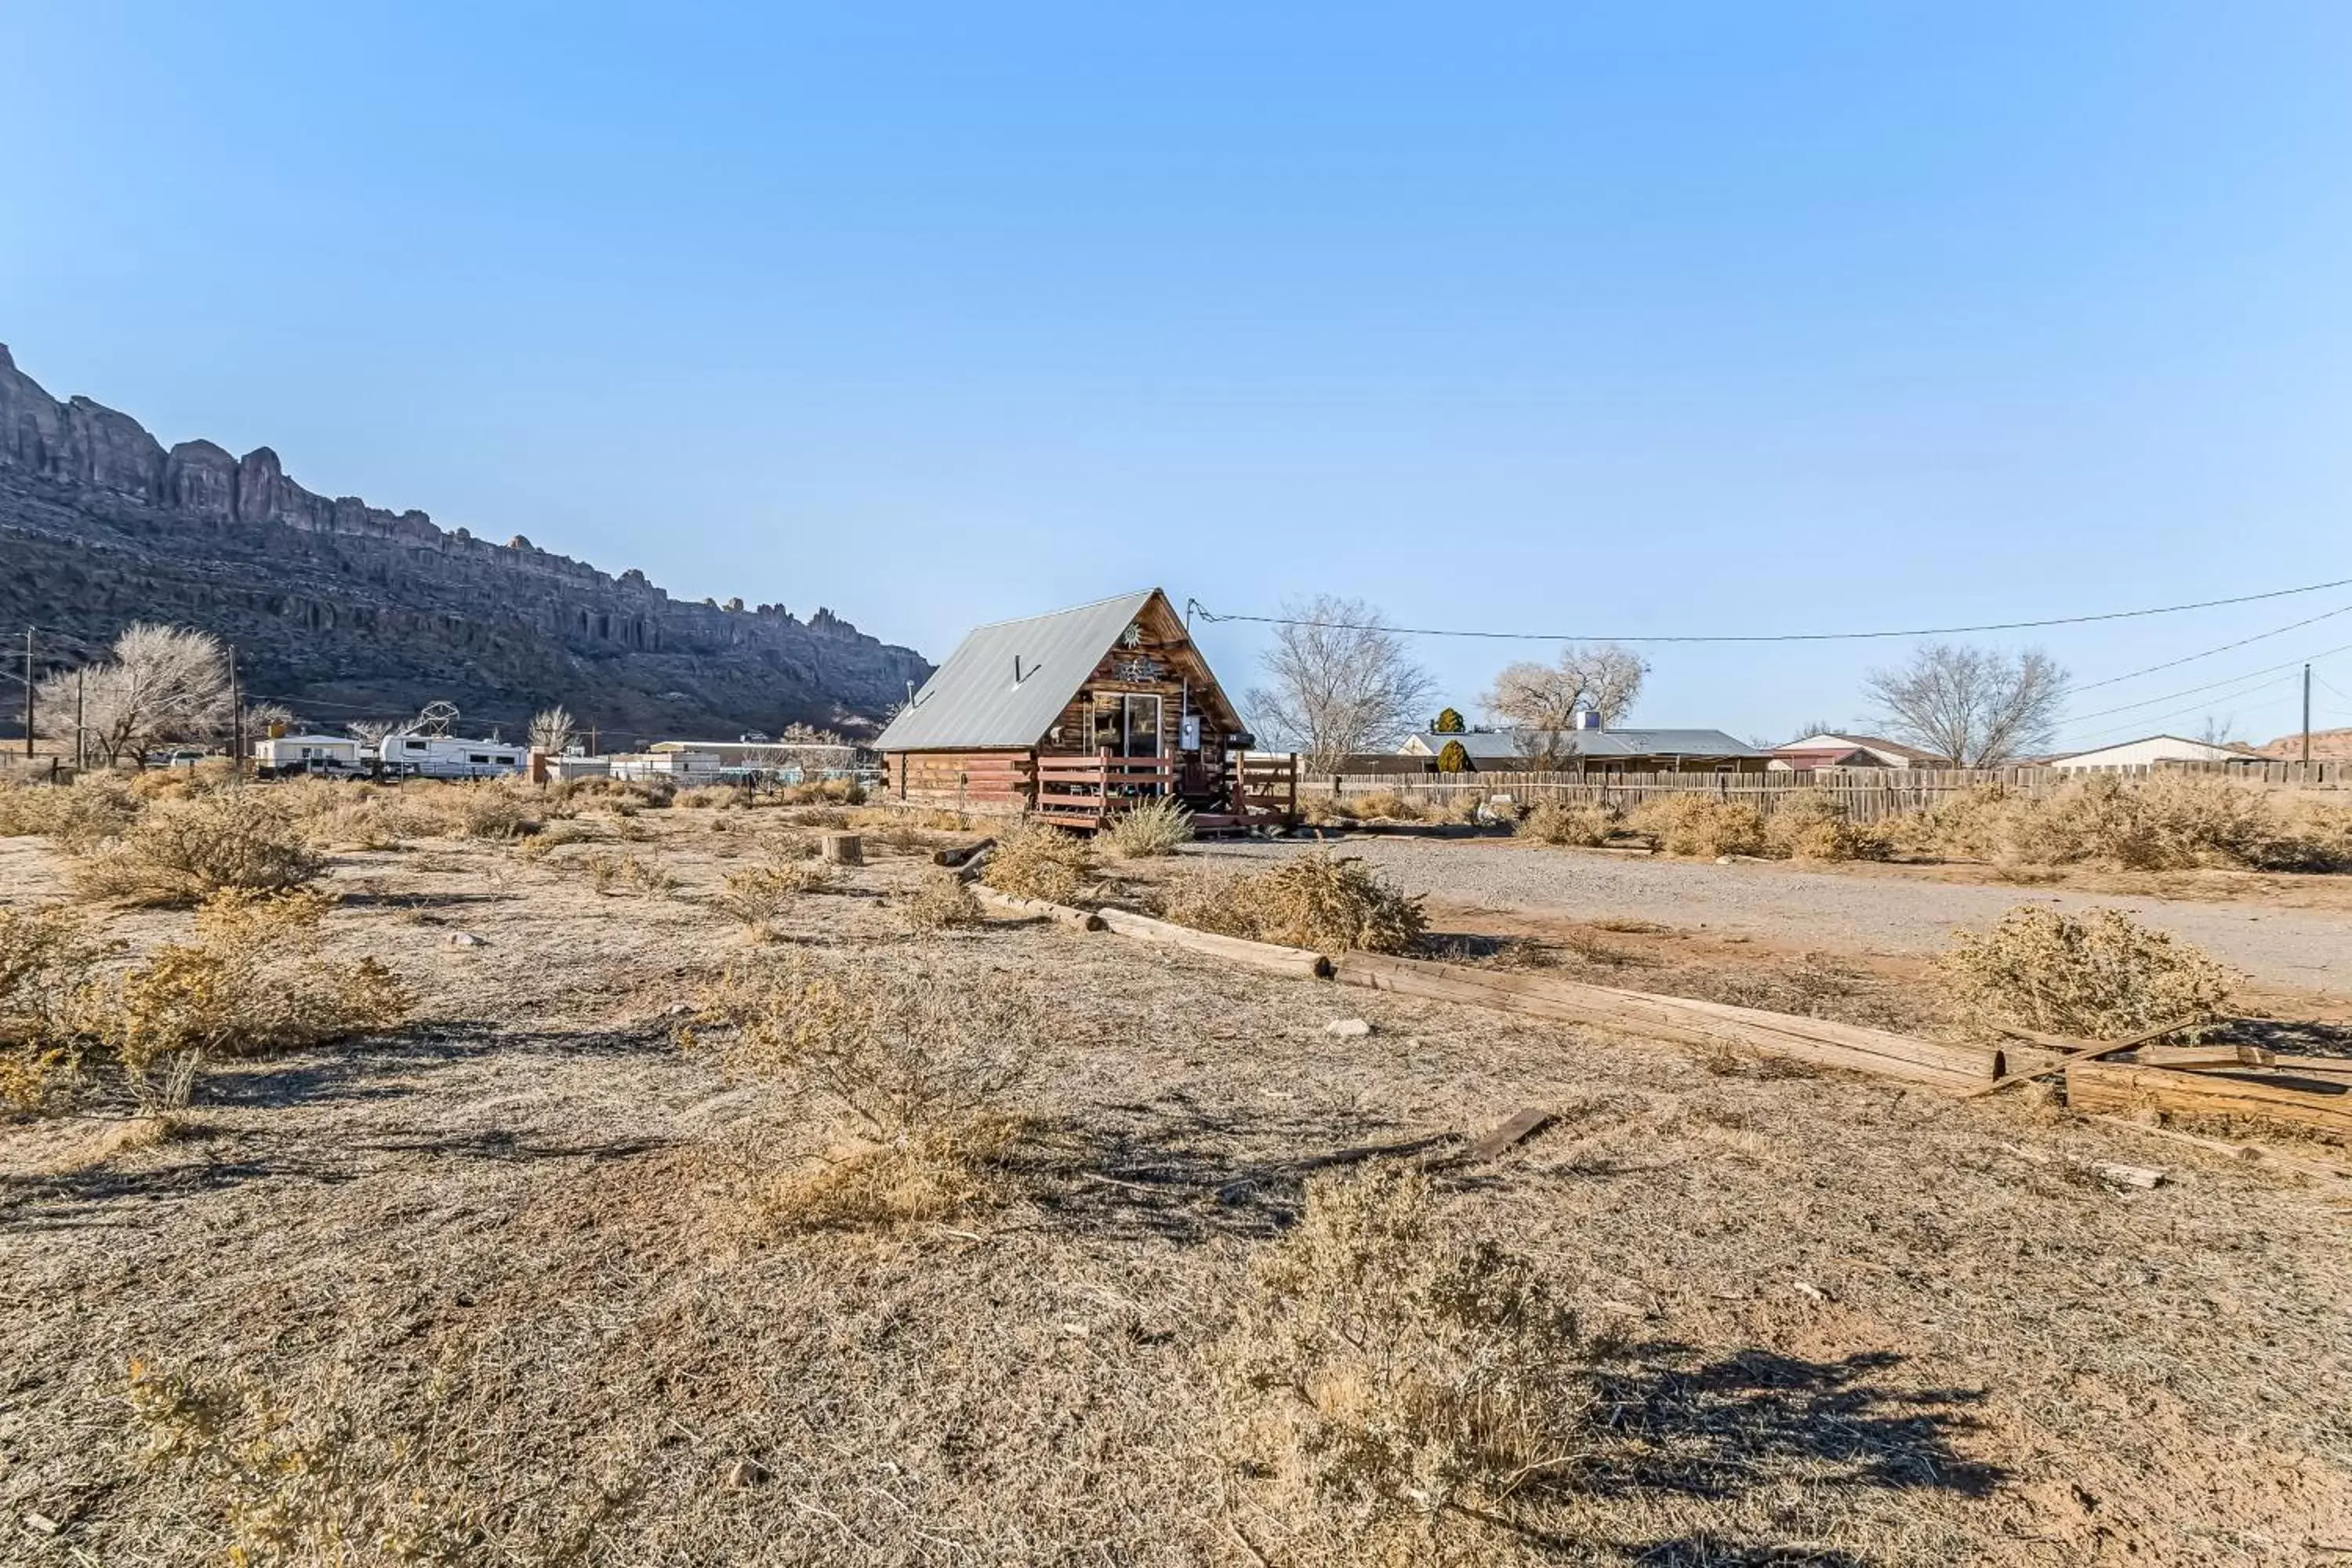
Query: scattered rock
[
  {"x": 42, "y": 1524},
  {"x": 1349, "y": 1028},
  {"x": 743, "y": 1473},
  {"x": 466, "y": 939}
]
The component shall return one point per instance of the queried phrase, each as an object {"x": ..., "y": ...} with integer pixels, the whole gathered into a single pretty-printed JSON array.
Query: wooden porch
[{"x": 1082, "y": 792}]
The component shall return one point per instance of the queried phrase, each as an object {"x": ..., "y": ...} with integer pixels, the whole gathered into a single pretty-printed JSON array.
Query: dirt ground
[{"x": 1834, "y": 1321}]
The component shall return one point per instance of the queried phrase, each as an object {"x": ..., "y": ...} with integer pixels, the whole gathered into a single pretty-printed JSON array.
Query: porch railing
[{"x": 1082, "y": 791}]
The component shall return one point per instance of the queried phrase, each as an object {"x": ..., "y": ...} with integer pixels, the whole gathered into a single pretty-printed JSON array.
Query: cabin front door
[{"x": 1139, "y": 732}]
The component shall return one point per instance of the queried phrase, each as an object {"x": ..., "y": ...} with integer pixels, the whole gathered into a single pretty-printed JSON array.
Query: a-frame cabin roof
[{"x": 974, "y": 701}]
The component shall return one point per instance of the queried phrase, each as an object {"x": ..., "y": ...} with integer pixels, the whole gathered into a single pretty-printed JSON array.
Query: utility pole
[
  {"x": 28, "y": 692},
  {"x": 81, "y": 752},
  {"x": 2306, "y": 717},
  {"x": 236, "y": 720}
]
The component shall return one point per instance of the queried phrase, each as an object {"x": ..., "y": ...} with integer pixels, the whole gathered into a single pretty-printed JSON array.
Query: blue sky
[{"x": 1600, "y": 319}]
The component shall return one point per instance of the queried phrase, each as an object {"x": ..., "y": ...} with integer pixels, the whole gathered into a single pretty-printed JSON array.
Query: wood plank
[
  {"x": 2206, "y": 1056},
  {"x": 2112, "y": 1086},
  {"x": 1292, "y": 960},
  {"x": 1038, "y": 908},
  {"x": 2087, "y": 1054},
  {"x": 1954, "y": 1068},
  {"x": 1518, "y": 1129},
  {"x": 2301, "y": 1162}
]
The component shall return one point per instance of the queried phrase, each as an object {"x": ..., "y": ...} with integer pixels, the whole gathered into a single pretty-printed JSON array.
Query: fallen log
[
  {"x": 1037, "y": 909},
  {"x": 1933, "y": 1063},
  {"x": 1292, "y": 960},
  {"x": 961, "y": 853},
  {"x": 2307, "y": 1102}
]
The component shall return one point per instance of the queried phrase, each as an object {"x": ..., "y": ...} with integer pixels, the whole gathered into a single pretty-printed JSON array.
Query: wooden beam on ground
[
  {"x": 2112, "y": 1086},
  {"x": 2086, "y": 1054},
  {"x": 1518, "y": 1129},
  {"x": 961, "y": 853},
  {"x": 2206, "y": 1056},
  {"x": 1037, "y": 909},
  {"x": 1953, "y": 1068},
  {"x": 1292, "y": 960},
  {"x": 2337, "y": 1171}
]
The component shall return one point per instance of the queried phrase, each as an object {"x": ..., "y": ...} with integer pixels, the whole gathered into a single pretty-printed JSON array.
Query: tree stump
[{"x": 843, "y": 849}]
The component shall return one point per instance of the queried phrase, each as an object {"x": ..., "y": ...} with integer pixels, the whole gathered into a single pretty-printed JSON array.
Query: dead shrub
[
  {"x": 1404, "y": 1380},
  {"x": 1148, "y": 831},
  {"x": 78, "y": 817},
  {"x": 758, "y": 895},
  {"x": 46, "y": 956},
  {"x": 548, "y": 840},
  {"x": 248, "y": 982},
  {"x": 941, "y": 903},
  {"x": 1807, "y": 825},
  {"x": 609, "y": 874},
  {"x": 1703, "y": 826},
  {"x": 299, "y": 1479},
  {"x": 917, "y": 1064},
  {"x": 1555, "y": 821},
  {"x": 489, "y": 812},
  {"x": 2099, "y": 975},
  {"x": 183, "y": 851},
  {"x": 1316, "y": 902},
  {"x": 1324, "y": 810},
  {"x": 1032, "y": 860},
  {"x": 1385, "y": 804}
]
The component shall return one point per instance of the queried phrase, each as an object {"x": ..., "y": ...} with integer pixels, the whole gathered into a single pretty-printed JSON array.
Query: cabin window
[{"x": 1141, "y": 729}]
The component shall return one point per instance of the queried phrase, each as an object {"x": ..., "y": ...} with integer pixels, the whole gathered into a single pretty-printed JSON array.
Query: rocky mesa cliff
[{"x": 350, "y": 611}]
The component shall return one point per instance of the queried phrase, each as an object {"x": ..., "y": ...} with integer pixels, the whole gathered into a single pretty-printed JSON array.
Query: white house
[
  {"x": 679, "y": 767},
  {"x": 450, "y": 757},
  {"x": 2146, "y": 752},
  {"x": 297, "y": 754}
]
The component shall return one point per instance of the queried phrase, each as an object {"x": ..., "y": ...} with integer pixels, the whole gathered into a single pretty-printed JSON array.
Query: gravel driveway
[{"x": 2296, "y": 948}]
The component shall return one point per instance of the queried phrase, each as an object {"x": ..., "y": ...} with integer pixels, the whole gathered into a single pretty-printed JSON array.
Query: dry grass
[
  {"x": 1701, "y": 826},
  {"x": 183, "y": 851},
  {"x": 1325, "y": 811},
  {"x": 95, "y": 808},
  {"x": 1315, "y": 901},
  {"x": 2167, "y": 822},
  {"x": 1406, "y": 1383},
  {"x": 1148, "y": 831},
  {"x": 1561, "y": 822},
  {"x": 2099, "y": 975},
  {"x": 940, "y": 903},
  {"x": 1384, "y": 805},
  {"x": 47, "y": 958},
  {"x": 1032, "y": 860},
  {"x": 642, "y": 874}
]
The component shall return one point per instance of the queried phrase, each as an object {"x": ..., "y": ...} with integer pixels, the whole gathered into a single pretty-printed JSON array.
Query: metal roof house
[
  {"x": 1075, "y": 715},
  {"x": 1591, "y": 749}
]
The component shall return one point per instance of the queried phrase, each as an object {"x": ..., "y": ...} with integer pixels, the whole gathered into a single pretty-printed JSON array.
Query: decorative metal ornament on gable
[
  {"x": 1139, "y": 670},
  {"x": 1133, "y": 635}
]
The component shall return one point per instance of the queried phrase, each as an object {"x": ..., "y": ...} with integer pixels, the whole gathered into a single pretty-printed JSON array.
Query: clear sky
[{"x": 1592, "y": 318}]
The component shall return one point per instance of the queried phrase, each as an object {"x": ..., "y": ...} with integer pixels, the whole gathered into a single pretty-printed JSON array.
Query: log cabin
[{"x": 1075, "y": 716}]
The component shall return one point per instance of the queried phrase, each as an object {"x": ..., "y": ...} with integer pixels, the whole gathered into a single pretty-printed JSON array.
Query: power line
[
  {"x": 2225, "y": 648},
  {"x": 1194, "y": 606},
  {"x": 2193, "y": 691},
  {"x": 2181, "y": 713}
]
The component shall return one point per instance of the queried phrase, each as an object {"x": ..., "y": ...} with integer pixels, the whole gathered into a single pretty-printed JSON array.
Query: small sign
[{"x": 1188, "y": 733}]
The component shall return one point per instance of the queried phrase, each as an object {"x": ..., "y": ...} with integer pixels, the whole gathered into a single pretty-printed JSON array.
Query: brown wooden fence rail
[
  {"x": 1081, "y": 791},
  {"x": 1868, "y": 794}
]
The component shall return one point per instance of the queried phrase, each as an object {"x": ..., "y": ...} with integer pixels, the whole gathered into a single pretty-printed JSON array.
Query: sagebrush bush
[
  {"x": 486, "y": 811},
  {"x": 249, "y": 981},
  {"x": 1324, "y": 810},
  {"x": 93, "y": 808},
  {"x": 2166, "y": 822},
  {"x": 919, "y": 1066},
  {"x": 941, "y": 902},
  {"x": 757, "y": 895},
  {"x": 609, "y": 873},
  {"x": 1555, "y": 821},
  {"x": 1313, "y": 901},
  {"x": 1147, "y": 831},
  {"x": 1385, "y": 804},
  {"x": 184, "y": 851},
  {"x": 1704, "y": 825},
  {"x": 1806, "y": 824},
  {"x": 1396, "y": 1375},
  {"x": 1032, "y": 860},
  {"x": 2098, "y": 975}
]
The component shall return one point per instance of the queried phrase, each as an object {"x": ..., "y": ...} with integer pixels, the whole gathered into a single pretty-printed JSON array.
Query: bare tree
[
  {"x": 1339, "y": 682},
  {"x": 261, "y": 717},
  {"x": 1541, "y": 701},
  {"x": 371, "y": 732},
  {"x": 163, "y": 685},
  {"x": 808, "y": 748},
  {"x": 551, "y": 730},
  {"x": 1975, "y": 708},
  {"x": 2216, "y": 731}
]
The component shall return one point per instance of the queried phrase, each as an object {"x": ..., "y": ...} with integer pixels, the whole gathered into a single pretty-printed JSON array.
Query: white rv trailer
[{"x": 451, "y": 757}]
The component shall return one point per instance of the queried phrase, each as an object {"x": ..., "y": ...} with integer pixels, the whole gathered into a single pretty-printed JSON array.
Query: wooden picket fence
[{"x": 1867, "y": 795}]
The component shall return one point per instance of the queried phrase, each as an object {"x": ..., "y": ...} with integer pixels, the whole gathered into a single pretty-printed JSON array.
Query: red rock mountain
[{"x": 350, "y": 611}]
